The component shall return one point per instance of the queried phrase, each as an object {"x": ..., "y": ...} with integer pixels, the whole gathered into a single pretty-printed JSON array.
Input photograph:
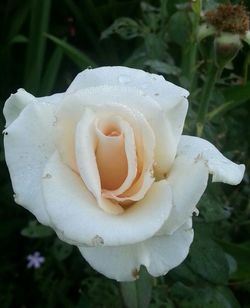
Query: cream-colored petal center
[{"x": 110, "y": 154}]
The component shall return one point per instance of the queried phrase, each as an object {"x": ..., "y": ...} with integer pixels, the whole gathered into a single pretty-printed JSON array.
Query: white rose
[{"x": 104, "y": 164}]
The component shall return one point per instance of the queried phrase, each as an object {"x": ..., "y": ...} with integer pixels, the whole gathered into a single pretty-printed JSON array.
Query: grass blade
[
  {"x": 77, "y": 56},
  {"x": 51, "y": 72},
  {"x": 40, "y": 11}
]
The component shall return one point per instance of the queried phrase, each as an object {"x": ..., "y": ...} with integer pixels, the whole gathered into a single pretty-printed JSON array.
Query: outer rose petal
[
  {"x": 171, "y": 101},
  {"x": 222, "y": 169},
  {"x": 188, "y": 181},
  {"x": 15, "y": 104},
  {"x": 196, "y": 158},
  {"x": 78, "y": 219},
  {"x": 28, "y": 145},
  {"x": 159, "y": 254},
  {"x": 164, "y": 92},
  {"x": 18, "y": 101}
]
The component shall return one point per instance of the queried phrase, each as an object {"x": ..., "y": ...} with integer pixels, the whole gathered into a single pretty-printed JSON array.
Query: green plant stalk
[
  {"x": 193, "y": 68},
  {"x": 189, "y": 54},
  {"x": 137, "y": 294},
  {"x": 214, "y": 73},
  {"x": 245, "y": 67}
]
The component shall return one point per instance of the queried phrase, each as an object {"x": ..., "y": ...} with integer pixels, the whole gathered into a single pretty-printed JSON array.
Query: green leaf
[
  {"x": 234, "y": 97},
  {"x": 125, "y": 27},
  {"x": 51, "y": 72},
  {"x": 18, "y": 20},
  {"x": 183, "y": 273},
  {"x": 19, "y": 39},
  {"x": 207, "y": 259},
  {"x": 77, "y": 56},
  {"x": 206, "y": 296},
  {"x": 40, "y": 11},
  {"x": 137, "y": 294},
  {"x": 237, "y": 93},
  {"x": 61, "y": 250},
  {"x": 162, "y": 67},
  {"x": 212, "y": 210},
  {"x": 241, "y": 254},
  {"x": 180, "y": 28},
  {"x": 35, "y": 230}
]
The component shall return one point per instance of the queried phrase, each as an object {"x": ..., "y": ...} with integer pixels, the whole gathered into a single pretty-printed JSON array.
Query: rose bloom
[{"x": 105, "y": 165}]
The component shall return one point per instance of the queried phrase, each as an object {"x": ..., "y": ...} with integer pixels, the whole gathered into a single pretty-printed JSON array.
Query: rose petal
[
  {"x": 18, "y": 101},
  {"x": 107, "y": 102},
  {"x": 159, "y": 254},
  {"x": 28, "y": 145},
  {"x": 188, "y": 181},
  {"x": 145, "y": 149},
  {"x": 78, "y": 219},
  {"x": 164, "y": 92},
  {"x": 196, "y": 158},
  {"x": 85, "y": 147},
  {"x": 222, "y": 169},
  {"x": 15, "y": 104},
  {"x": 166, "y": 115},
  {"x": 110, "y": 152},
  {"x": 116, "y": 158}
]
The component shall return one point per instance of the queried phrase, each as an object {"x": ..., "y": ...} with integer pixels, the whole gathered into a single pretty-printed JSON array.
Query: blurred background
[{"x": 43, "y": 45}]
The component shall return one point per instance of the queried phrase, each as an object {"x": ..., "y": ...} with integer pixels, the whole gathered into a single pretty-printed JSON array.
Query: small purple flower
[{"x": 35, "y": 260}]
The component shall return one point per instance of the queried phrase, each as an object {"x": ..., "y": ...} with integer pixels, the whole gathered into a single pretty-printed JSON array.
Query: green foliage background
[{"x": 44, "y": 44}]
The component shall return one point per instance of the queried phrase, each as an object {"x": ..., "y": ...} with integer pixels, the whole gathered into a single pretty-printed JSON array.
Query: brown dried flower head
[{"x": 229, "y": 18}]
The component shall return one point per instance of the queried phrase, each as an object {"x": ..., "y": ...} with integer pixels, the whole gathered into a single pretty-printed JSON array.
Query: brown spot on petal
[
  {"x": 135, "y": 273},
  {"x": 47, "y": 176},
  {"x": 97, "y": 241}
]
